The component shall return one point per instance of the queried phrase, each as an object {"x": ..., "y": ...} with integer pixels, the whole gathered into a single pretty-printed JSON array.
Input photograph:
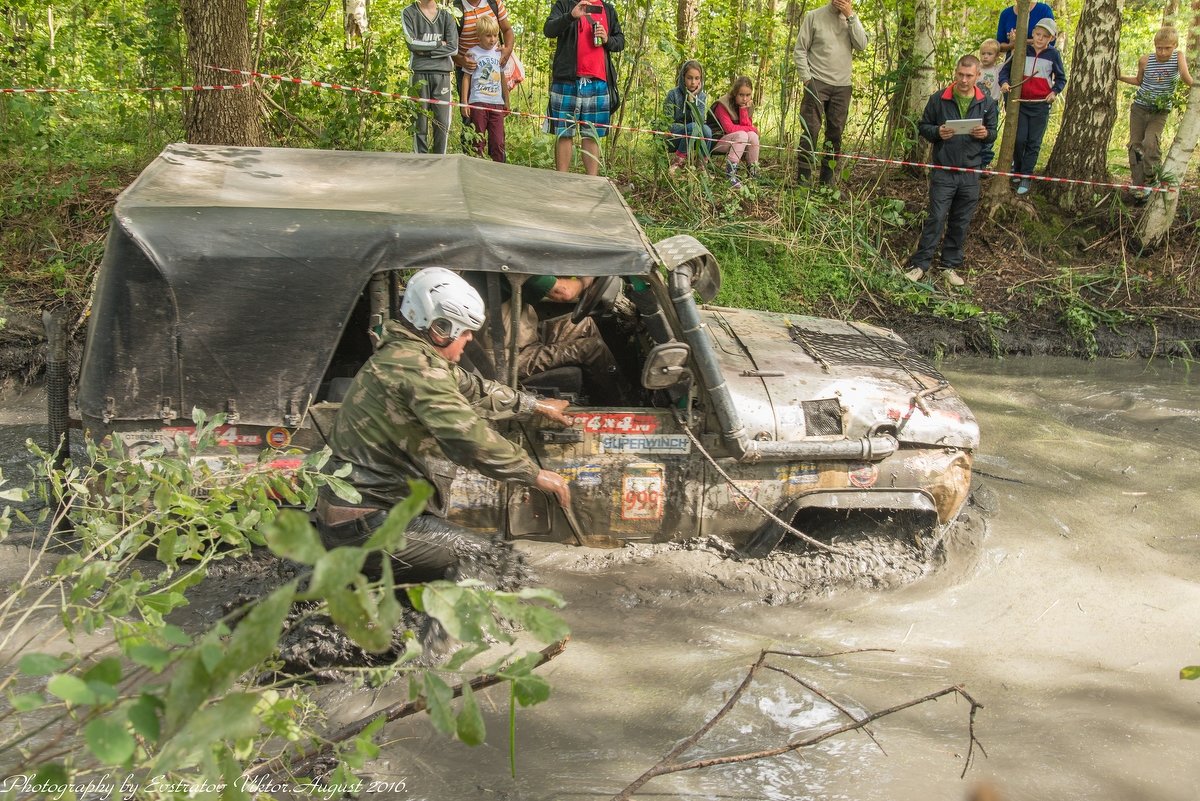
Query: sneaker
[
  {"x": 953, "y": 278},
  {"x": 915, "y": 274},
  {"x": 731, "y": 170},
  {"x": 1023, "y": 187}
]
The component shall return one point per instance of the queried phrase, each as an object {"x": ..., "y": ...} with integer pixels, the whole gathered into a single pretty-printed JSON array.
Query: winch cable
[
  {"x": 787, "y": 527},
  {"x": 918, "y": 400}
]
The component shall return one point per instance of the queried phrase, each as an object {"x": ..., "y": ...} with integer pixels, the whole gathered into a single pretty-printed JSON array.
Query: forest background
[{"x": 1063, "y": 271}]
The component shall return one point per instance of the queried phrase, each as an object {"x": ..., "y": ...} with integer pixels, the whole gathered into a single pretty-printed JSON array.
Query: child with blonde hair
[
  {"x": 989, "y": 69},
  {"x": 485, "y": 90},
  {"x": 1157, "y": 75}
]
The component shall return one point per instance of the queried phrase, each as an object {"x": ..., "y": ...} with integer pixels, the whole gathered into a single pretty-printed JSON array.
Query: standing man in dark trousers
[
  {"x": 828, "y": 38},
  {"x": 953, "y": 196}
]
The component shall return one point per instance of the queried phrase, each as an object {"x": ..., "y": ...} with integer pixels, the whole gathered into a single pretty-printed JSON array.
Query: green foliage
[
  {"x": 1191, "y": 672},
  {"x": 200, "y": 707}
]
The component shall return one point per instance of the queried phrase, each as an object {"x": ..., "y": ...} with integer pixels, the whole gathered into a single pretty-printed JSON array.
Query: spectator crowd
[{"x": 471, "y": 49}]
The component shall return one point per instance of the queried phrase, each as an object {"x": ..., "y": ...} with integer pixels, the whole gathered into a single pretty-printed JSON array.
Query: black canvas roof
[{"x": 230, "y": 273}]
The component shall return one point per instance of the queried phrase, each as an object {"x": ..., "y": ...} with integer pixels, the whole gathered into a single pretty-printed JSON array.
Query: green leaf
[
  {"x": 106, "y": 671},
  {"x": 292, "y": 536},
  {"x": 542, "y": 594},
  {"x": 389, "y": 537},
  {"x": 356, "y": 614},
  {"x": 166, "y": 547},
  {"x": 71, "y": 689},
  {"x": 544, "y": 624},
  {"x": 1191, "y": 673},
  {"x": 336, "y": 570},
  {"x": 175, "y": 635},
  {"x": 469, "y": 725},
  {"x": 108, "y": 740},
  {"x": 458, "y": 609},
  {"x": 530, "y": 690},
  {"x": 464, "y": 655},
  {"x": 150, "y": 656},
  {"x": 437, "y": 699},
  {"x": 27, "y": 702},
  {"x": 40, "y": 664},
  {"x": 231, "y": 718},
  {"x": 256, "y": 635},
  {"x": 52, "y": 774},
  {"x": 143, "y": 715}
]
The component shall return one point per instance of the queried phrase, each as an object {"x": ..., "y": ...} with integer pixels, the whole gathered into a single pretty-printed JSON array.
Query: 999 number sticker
[{"x": 642, "y": 493}]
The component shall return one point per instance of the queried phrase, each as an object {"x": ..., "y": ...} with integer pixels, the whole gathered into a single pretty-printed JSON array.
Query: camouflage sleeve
[
  {"x": 465, "y": 437},
  {"x": 491, "y": 399}
]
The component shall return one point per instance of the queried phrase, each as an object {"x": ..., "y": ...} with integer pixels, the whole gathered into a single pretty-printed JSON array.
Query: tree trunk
[
  {"x": 923, "y": 80},
  {"x": 218, "y": 34},
  {"x": 898, "y": 102},
  {"x": 687, "y": 25},
  {"x": 1170, "y": 12},
  {"x": 1156, "y": 221},
  {"x": 998, "y": 189},
  {"x": 1081, "y": 149}
]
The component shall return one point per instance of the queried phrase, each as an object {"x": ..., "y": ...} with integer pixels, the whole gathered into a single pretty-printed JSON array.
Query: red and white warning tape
[
  {"x": 542, "y": 117},
  {"x": 17, "y": 90}
]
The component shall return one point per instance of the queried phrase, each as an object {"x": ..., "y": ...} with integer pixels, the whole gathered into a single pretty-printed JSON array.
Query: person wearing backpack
[
  {"x": 470, "y": 12},
  {"x": 583, "y": 83}
]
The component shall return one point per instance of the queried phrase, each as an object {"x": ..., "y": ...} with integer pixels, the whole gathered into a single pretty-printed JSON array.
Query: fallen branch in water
[
  {"x": 671, "y": 764},
  {"x": 298, "y": 761}
]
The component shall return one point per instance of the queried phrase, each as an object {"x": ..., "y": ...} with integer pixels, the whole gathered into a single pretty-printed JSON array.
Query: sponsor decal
[
  {"x": 584, "y": 475},
  {"x": 740, "y": 501},
  {"x": 642, "y": 492},
  {"x": 610, "y": 423},
  {"x": 645, "y": 443},
  {"x": 804, "y": 473},
  {"x": 863, "y": 474},
  {"x": 279, "y": 437}
]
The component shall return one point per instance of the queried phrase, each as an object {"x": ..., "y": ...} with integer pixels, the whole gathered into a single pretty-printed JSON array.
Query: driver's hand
[
  {"x": 554, "y": 409},
  {"x": 556, "y": 485}
]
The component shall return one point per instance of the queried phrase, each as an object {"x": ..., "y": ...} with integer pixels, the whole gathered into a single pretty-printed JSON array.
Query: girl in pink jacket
[{"x": 738, "y": 135}]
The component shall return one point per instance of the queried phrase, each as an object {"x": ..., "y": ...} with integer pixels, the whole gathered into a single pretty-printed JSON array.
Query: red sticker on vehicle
[
  {"x": 613, "y": 423},
  {"x": 642, "y": 492},
  {"x": 279, "y": 437},
  {"x": 864, "y": 474}
]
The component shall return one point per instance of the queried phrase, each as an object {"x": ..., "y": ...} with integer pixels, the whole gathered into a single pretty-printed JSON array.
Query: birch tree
[
  {"x": 218, "y": 34},
  {"x": 998, "y": 189},
  {"x": 1081, "y": 149},
  {"x": 923, "y": 80}
]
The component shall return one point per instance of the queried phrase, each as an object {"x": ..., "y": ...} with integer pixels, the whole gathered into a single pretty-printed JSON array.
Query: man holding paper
[{"x": 960, "y": 121}]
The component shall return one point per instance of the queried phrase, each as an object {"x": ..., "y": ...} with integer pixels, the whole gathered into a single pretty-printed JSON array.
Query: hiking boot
[
  {"x": 1023, "y": 187},
  {"x": 953, "y": 278},
  {"x": 915, "y": 274}
]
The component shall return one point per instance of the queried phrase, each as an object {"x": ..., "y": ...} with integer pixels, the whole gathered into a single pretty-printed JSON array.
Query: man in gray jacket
[
  {"x": 431, "y": 34},
  {"x": 828, "y": 37}
]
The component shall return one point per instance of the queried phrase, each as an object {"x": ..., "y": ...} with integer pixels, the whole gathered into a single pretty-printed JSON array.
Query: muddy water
[
  {"x": 1067, "y": 604},
  {"x": 1069, "y": 620}
]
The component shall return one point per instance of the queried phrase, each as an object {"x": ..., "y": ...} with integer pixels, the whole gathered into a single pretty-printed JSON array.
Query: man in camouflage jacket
[{"x": 413, "y": 413}]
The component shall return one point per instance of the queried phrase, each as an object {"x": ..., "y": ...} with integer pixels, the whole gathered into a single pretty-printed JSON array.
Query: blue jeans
[
  {"x": 685, "y": 146},
  {"x": 1031, "y": 127}
]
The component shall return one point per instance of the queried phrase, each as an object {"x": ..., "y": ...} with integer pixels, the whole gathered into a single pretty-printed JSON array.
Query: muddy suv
[{"x": 249, "y": 281}]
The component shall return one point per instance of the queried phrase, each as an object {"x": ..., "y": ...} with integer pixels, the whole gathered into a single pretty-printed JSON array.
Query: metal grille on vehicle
[
  {"x": 822, "y": 417},
  {"x": 864, "y": 350}
]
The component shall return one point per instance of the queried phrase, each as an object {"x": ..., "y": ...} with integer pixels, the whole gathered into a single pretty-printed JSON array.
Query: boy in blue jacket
[{"x": 1045, "y": 78}]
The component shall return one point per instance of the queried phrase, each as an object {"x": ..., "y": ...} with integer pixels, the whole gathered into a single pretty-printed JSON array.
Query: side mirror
[{"x": 667, "y": 366}]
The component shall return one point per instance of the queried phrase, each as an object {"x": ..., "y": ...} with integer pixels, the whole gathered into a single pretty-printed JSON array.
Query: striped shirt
[
  {"x": 467, "y": 37},
  {"x": 1158, "y": 81}
]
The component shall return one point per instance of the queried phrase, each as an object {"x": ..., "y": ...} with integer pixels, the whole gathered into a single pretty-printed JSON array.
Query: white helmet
[{"x": 441, "y": 303}]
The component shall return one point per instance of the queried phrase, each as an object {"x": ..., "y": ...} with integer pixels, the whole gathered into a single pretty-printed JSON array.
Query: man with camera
[{"x": 583, "y": 83}]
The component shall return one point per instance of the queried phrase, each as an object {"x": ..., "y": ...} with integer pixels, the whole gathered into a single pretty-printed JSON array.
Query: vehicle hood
[{"x": 778, "y": 367}]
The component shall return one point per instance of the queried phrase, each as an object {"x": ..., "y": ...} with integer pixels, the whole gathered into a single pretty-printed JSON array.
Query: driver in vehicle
[
  {"x": 558, "y": 342},
  {"x": 413, "y": 413}
]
